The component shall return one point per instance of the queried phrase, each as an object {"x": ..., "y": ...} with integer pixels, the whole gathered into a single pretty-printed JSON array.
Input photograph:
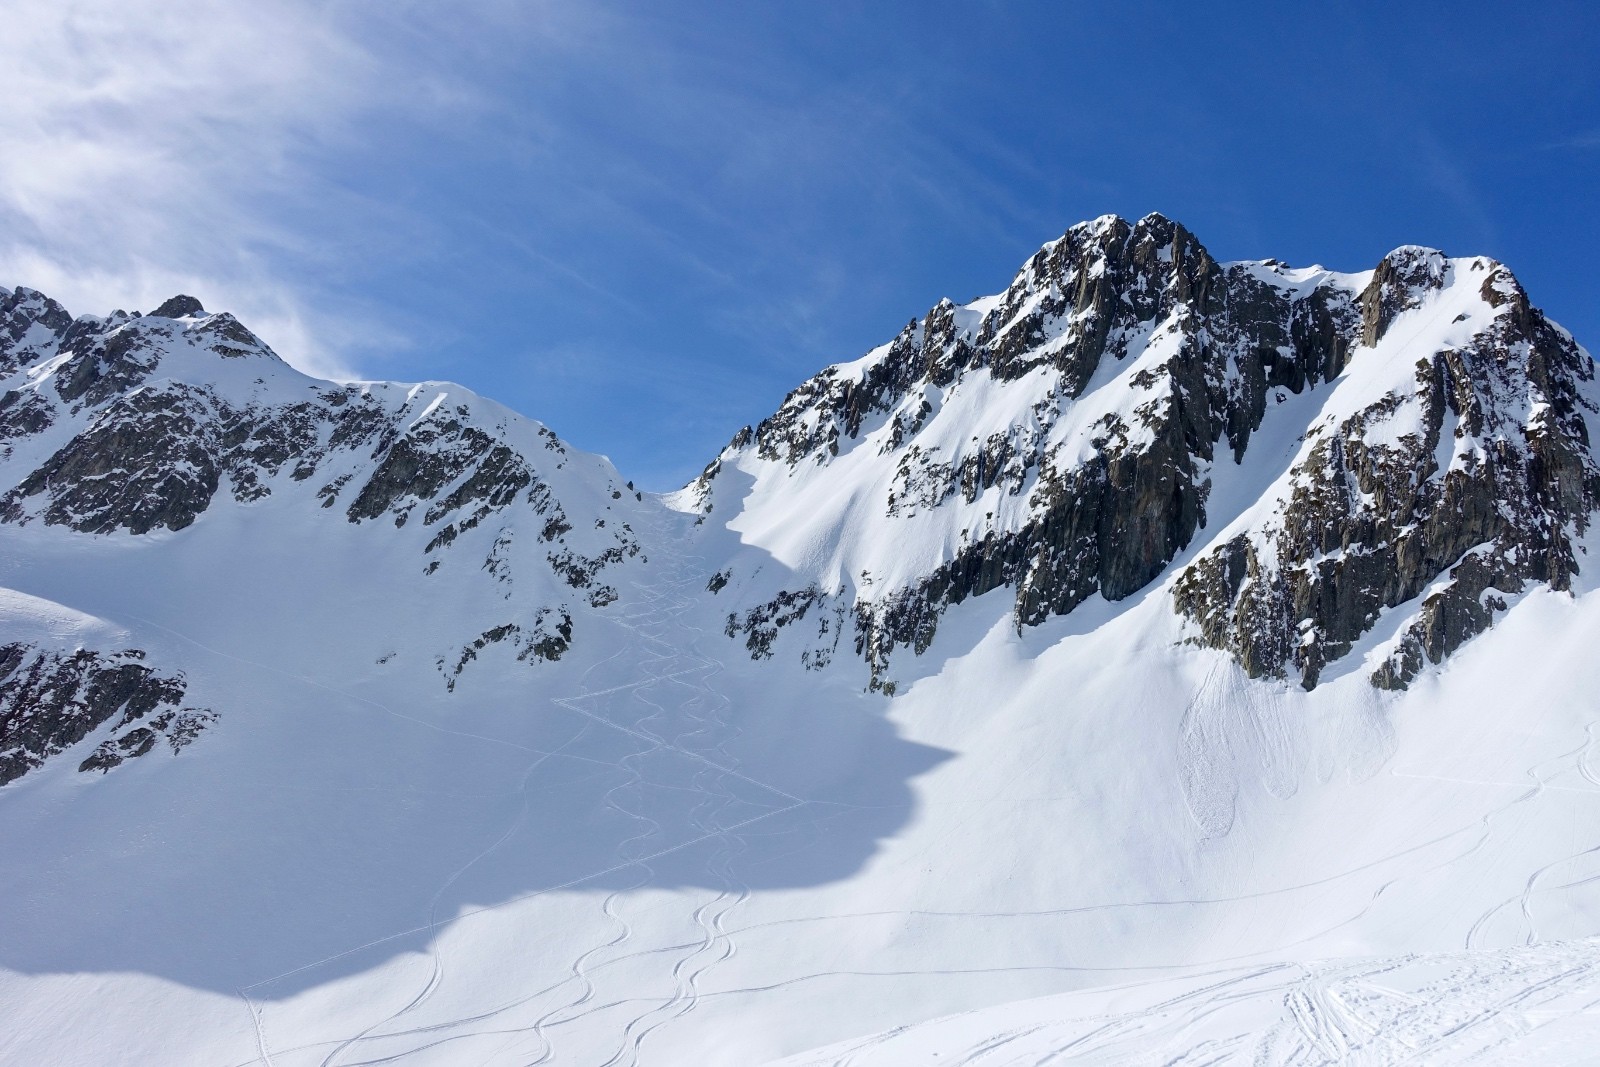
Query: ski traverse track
[
  {"x": 695, "y": 727},
  {"x": 1571, "y": 760},
  {"x": 700, "y": 717}
]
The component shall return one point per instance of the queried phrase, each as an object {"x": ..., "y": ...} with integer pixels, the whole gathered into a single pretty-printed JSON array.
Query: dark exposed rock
[
  {"x": 147, "y": 461},
  {"x": 23, "y": 414},
  {"x": 579, "y": 571},
  {"x": 179, "y": 307},
  {"x": 1368, "y": 525},
  {"x": 1402, "y": 280},
  {"x": 31, "y": 325},
  {"x": 228, "y": 338},
  {"x": 50, "y": 701},
  {"x": 107, "y": 358},
  {"x": 431, "y": 456},
  {"x": 760, "y": 625},
  {"x": 547, "y": 638},
  {"x": 178, "y": 728}
]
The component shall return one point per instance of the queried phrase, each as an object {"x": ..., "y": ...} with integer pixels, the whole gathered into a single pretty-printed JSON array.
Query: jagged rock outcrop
[
  {"x": 51, "y": 700},
  {"x": 31, "y": 327},
  {"x": 1467, "y": 483},
  {"x": 547, "y": 636}
]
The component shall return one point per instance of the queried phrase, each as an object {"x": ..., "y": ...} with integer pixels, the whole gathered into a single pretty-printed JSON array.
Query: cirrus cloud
[{"x": 149, "y": 148}]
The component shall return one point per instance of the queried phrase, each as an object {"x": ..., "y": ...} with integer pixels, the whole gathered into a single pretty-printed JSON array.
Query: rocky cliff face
[
  {"x": 1465, "y": 479},
  {"x": 1063, "y": 439}
]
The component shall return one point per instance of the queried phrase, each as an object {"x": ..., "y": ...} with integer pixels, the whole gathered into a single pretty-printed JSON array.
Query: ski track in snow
[
  {"x": 1416, "y": 1009},
  {"x": 1573, "y": 759},
  {"x": 702, "y": 714},
  {"x": 1325, "y": 1032},
  {"x": 696, "y": 728},
  {"x": 710, "y": 915}
]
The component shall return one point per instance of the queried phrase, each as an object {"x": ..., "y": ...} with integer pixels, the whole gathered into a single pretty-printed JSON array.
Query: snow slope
[
  {"x": 671, "y": 837},
  {"x": 1530, "y": 1005}
]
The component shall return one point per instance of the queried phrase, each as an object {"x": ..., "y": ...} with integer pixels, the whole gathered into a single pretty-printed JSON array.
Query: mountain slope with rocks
[
  {"x": 138, "y": 428},
  {"x": 1338, "y": 445},
  {"x": 1201, "y": 646}
]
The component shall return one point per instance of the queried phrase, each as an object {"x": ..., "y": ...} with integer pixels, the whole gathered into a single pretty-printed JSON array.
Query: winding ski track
[
  {"x": 695, "y": 728},
  {"x": 686, "y": 717}
]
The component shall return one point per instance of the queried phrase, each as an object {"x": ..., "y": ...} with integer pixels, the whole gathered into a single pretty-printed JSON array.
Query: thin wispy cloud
[
  {"x": 494, "y": 190},
  {"x": 156, "y": 146},
  {"x": 1588, "y": 139}
]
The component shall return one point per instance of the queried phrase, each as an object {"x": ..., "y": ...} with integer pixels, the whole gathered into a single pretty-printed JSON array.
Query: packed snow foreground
[{"x": 1161, "y": 661}]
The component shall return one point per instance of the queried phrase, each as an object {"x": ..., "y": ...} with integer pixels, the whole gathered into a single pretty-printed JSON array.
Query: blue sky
[{"x": 644, "y": 223}]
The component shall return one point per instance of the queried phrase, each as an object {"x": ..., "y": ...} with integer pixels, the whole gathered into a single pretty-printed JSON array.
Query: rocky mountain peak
[
  {"x": 129, "y": 426},
  {"x": 30, "y": 325},
  {"x": 1402, "y": 281},
  {"x": 1060, "y": 439},
  {"x": 179, "y": 307},
  {"x": 1080, "y": 295}
]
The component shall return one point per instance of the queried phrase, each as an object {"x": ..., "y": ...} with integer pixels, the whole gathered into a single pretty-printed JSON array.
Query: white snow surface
[{"x": 658, "y": 851}]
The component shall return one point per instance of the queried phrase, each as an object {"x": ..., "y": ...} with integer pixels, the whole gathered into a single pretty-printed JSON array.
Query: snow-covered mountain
[
  {"x": 148, "y": 426},
  {"x": 1340, "y": 443},
  {"x": 1155, "y": 618}
]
